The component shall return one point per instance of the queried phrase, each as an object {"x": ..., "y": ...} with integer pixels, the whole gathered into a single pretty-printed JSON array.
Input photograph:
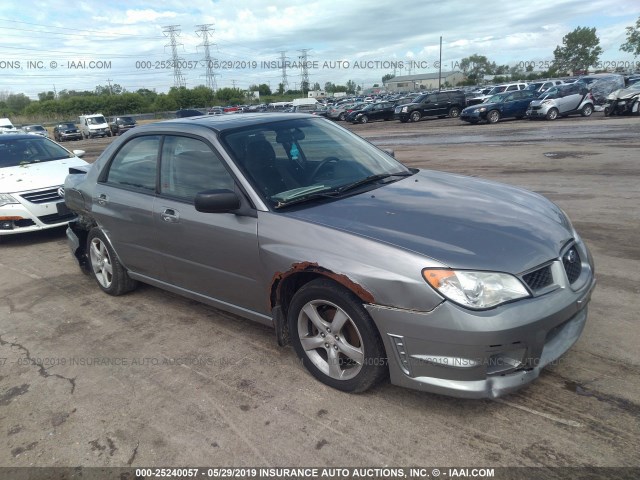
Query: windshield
[
  {"x": 67, "y": 125},
  {"x": 96, "y": 120},
  {"x": 23, "y": 151},
  {"x": 302, "y": 158},
  {"x": 497, "y": 89},
  {"x": 499, "y": 98}
]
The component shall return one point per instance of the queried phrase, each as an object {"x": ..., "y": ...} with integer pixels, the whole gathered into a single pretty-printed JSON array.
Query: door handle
[
  {"x": 170, "y": 215},
  {"x": 102, "y": 199}
]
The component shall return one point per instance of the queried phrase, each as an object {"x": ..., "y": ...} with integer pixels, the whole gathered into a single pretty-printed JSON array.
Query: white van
[{"x": 94, "y": 126}]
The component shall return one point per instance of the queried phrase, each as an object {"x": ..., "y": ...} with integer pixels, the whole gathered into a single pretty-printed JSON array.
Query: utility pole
[
  {"x": 440, "y": 66},
  {"x": 110, "y": 89},
  {"x": 283, "y": 64},
  {"x": 173, "y": 31},
  {"x": 203, "y": 31},
  {"x": 304, "y": 81}
]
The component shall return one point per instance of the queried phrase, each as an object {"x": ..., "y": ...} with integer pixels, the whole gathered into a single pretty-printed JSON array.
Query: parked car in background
[
  {"x": 541, "y": 87},
  {"x": 502, "y": 105},
  {"x": 461, "y": 286},
  {"x": 371, "y": 112},
  {"x": 7, "y": 127},
  {"x": 439, "y": 104},
  {"x": 505, "y": 87},
  {"x": 601, "y": 85},
  {"x": 188, "y": 112},
  {"x": 66, "y": 131},
  {"x": 32, "y": 172},
  {"x": 625, "y": 101},
  {"x": 95, "y": 125},
  {"x": 340, "y": 112},
  {"x": 562, "y": 100},
  {"x": 119, "y": 125},
  {"x": 36, "y": 130}
]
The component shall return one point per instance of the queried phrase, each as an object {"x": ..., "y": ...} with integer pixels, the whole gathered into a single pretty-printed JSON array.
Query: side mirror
[
  {"x": 78, "y": 153},
  {"x": 217, "y": 201}
]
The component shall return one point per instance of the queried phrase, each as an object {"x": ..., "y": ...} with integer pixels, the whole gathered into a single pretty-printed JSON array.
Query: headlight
[
  {"x": 404, "y": 109},
  {"x": 6, "y": 199},
  {"x": 482, "y": 109},
  {"x": 475, "y": 290},
  {"x": 545, "y": 102}
]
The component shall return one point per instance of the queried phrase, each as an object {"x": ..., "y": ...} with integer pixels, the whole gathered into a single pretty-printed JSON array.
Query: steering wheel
[{"x": 321, "y": 165}]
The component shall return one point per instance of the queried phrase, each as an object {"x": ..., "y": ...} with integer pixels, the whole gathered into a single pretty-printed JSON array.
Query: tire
[
  {"x": 552, "y": 114},
  {"x": 415, "y": 116},
  {"x": 105, "y": 267},
  {"x": 342, "y": 116},
  {"x": 350, "y": 358},
  {"x": 454, "y": 112},
  {"x": 109, "y": 133},
  {"x": 587, "y": 110},
  {"x": 493, "y": 116},
  {"x": 364, "y": 119}
]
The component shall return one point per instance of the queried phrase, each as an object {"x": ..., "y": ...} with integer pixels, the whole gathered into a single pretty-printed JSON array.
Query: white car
[
  {"x": 36, "y": 130},
  {"x": 32, "y": 173}
]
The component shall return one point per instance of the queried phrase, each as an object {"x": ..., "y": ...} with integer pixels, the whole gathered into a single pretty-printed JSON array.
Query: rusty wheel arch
[{"x": 285, "y": 284}]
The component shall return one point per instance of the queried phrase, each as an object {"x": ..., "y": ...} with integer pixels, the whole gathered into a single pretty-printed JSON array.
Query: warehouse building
[{"x": 422, "y": 81}]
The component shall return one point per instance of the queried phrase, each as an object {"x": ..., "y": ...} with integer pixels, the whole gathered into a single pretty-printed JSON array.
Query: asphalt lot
[{"x": 187, "y": 384}]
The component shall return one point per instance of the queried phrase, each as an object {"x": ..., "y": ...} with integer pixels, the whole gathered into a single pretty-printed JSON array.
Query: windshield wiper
[
  {"x": 371, "y": 179},
  {"x": 324, "y": 192}
]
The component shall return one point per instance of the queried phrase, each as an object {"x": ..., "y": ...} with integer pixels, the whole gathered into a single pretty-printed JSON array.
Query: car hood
[
  {"x": 36, "y": 175},
  {"x": 625, "y": 93},
  {"x": 460, "y": 221}
]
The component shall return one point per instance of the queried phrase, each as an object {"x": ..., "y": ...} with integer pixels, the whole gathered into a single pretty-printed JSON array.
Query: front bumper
[
  {"x": 484, "y": 354},
  {"x": 540, "y": 112},
  {"x": 70, "y": 136},
  {"x": 29, "y": 217},
  {"x": 473, "y": 116}
]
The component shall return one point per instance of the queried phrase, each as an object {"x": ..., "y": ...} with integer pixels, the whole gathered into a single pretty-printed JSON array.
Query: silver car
[
  {"x": 370, "y": 269},
  {"x": 562, "y": 100}
]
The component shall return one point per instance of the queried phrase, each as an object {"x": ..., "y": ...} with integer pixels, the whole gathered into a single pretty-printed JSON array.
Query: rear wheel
[
  {"x": 335, "y": 338},
  {"x": 552, "y": 114},
  {"x": 493, "y": 116},
  {"x": 105, "y": 267},
  {"x": 342, "y": 116},
  {"x": 454, "y": 112},
  {"x": 587, "y": 110},
  {"x": 415, "y": 116}
]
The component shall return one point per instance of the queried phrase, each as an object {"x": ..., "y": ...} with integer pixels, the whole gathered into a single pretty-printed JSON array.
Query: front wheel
[
  {"x": 415, "y": 116},
  {"x": 552, "y": 114},
  {"x": 335, "y": 338},
  {"x": 364, "y": 119},
  {"x": 587, "y": 110},
  {"x": 493, "y": 116},
  {"x": 105, "y": 267}
]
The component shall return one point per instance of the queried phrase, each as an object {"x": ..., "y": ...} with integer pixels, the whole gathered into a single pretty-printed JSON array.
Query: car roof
[
  {"x": 220, "y": 123},
  {"x": 21, "y": 136}
]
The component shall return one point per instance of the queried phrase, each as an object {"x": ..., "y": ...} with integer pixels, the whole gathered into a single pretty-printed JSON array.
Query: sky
[{"x": 77, "y": 45}]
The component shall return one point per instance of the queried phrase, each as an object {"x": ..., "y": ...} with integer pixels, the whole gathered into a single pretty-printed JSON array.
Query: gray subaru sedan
[{"x": 370, "y": 269}]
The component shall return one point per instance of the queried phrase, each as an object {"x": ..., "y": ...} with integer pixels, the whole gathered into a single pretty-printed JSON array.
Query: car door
[
  {"x": 376, "y": 112},
  {"x": 524, "y": 99},
  {"x": 573, "y": 97},
  {"x": 429, "y": 105},
  {"x": 210, "y": 254},
  {"x": 122, "y": 205},
  {"x": 507, "y": 106}
]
